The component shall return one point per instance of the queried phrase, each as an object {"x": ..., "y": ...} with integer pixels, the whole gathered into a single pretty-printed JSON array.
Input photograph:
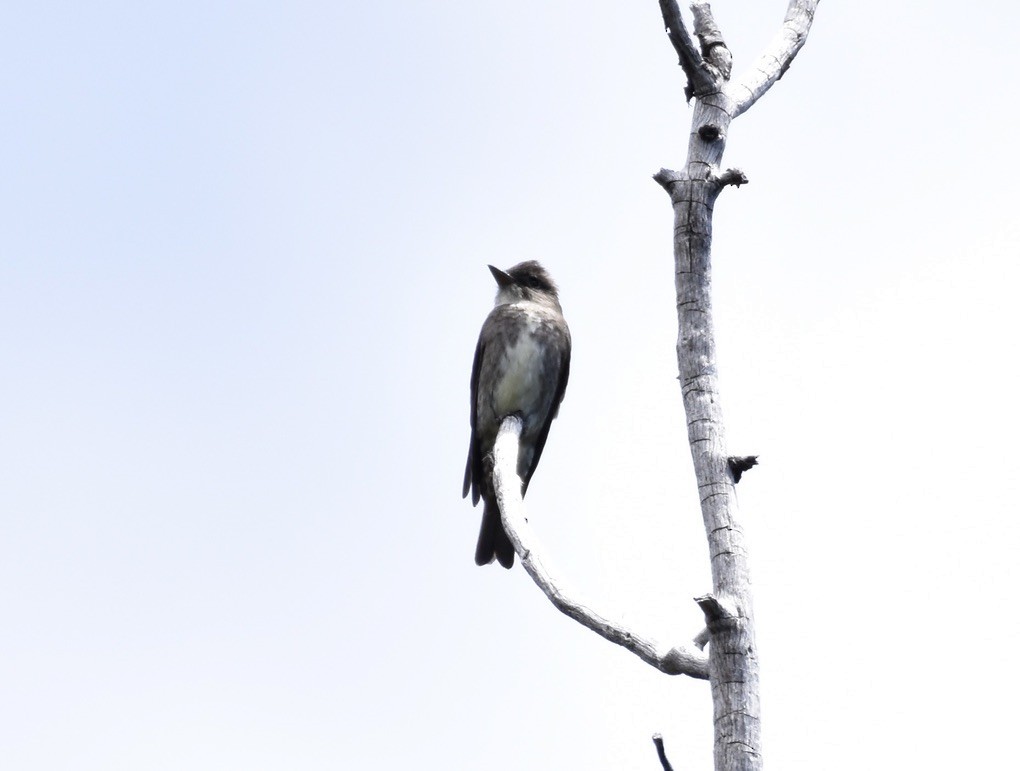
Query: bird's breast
[{"x": 520, "y": 386}]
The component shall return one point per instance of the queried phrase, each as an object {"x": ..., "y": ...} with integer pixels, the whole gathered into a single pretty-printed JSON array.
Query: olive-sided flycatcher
[{"x": 521, "y": 366}]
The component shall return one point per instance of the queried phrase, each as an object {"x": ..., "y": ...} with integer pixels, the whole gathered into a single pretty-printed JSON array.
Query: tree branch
[
  {"x": 713, "y": 47},
  {"x": 700, "y": 78},
  {"x": 678, "y": 660},
  {"x": 777, "y": 57}
]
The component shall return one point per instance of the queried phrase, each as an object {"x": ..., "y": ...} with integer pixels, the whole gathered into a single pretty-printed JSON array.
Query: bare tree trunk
[
  {"x": 733, "y": 660},
  {"x": 733, "y": 663}
]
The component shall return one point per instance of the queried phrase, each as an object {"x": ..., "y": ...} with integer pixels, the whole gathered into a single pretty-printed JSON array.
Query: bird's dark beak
[{"x": 503, "y": 279}]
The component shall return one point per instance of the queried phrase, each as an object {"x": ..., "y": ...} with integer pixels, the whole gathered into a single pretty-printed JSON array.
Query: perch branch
[
  {"x": 777, "y": 57},
  {"x": 678, "y": 660}
]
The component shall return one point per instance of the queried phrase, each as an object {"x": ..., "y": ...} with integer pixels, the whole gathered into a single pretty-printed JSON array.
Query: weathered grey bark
[{"x": 733, "y": 660}]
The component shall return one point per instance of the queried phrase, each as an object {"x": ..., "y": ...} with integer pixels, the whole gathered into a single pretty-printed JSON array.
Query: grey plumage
[{"x": 521, "y": 365}]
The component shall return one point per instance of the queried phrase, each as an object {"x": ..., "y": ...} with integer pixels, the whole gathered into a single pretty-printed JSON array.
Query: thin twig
[{"x": 661, "y": 750}]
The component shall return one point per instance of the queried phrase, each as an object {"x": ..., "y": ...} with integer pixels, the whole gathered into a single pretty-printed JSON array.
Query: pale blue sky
[{"x": 242, "y": 270}]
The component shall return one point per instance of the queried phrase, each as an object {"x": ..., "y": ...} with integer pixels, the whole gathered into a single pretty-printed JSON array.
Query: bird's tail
[{"x": 493, "y": 542}]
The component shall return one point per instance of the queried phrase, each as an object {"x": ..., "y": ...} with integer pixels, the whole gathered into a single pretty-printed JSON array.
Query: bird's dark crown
[{"x": 531, "y": 275}]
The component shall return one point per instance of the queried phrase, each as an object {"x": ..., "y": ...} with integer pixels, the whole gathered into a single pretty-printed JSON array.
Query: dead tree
[{"x": 732, "y": 664}]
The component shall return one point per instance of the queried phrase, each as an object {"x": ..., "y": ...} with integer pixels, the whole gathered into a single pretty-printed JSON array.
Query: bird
[{"x": 521, "y": 366}]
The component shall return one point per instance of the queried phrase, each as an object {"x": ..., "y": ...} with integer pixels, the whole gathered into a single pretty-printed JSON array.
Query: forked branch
[{"x": 700, "y": 78}]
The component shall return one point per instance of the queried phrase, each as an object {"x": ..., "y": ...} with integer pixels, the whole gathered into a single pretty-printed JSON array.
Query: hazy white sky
[{"x": 242, "y": 270}]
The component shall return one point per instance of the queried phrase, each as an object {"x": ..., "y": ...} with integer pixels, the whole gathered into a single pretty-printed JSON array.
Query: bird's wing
[
  {"x": 563, "y": 366},
  {"x": 473, "y": 471}
]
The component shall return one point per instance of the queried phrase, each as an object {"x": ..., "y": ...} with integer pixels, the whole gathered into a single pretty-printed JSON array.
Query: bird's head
[{"x": 526, "y": 281}]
